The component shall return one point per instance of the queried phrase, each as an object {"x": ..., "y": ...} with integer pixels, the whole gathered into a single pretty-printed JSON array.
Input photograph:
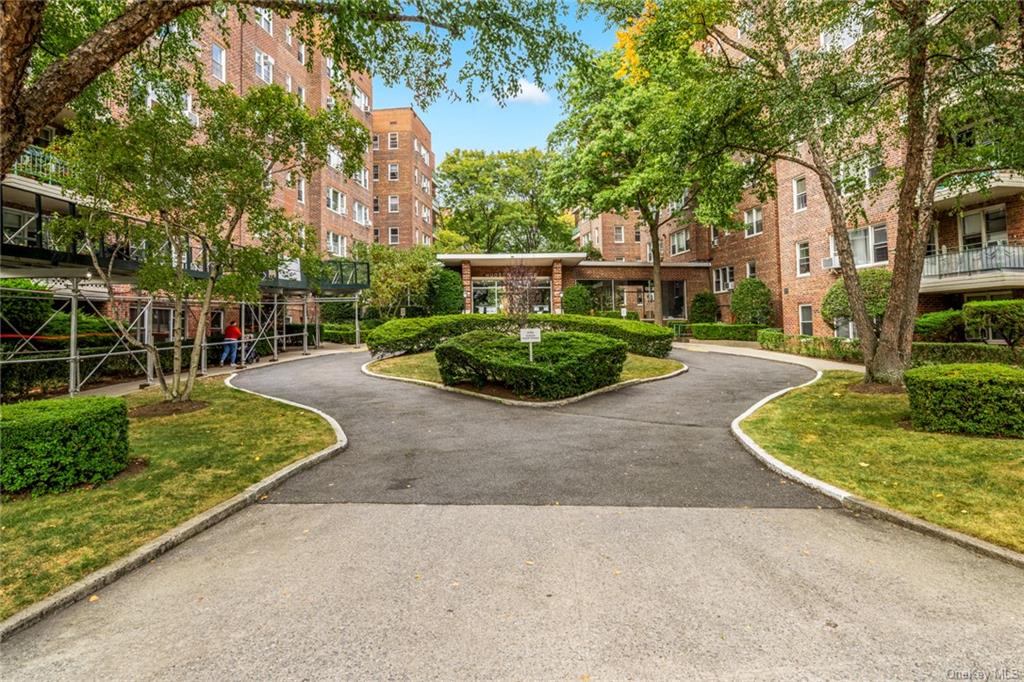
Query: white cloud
[{"x": 530, "y": 93}]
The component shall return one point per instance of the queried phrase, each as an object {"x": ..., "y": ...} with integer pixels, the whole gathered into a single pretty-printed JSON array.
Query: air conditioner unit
[
  {"x": 830, "y": 263},
  {"x": 732, "y": 285},
  {"x": 714, "y": 242}
]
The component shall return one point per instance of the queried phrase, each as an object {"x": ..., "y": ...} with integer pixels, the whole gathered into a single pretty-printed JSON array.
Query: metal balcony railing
[
  {"x": 970, "y": 261},
  {"x": 39, "y": 164}
]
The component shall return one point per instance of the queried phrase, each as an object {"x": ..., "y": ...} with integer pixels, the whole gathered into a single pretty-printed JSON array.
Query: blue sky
[{"x": 483, "y": 124}]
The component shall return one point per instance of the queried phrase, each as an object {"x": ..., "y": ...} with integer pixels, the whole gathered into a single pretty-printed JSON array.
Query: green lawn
[
  {"x": 195, "y": 461},
  {"x": 423, "y": 366},
  {"x": 862, "y": 443}
]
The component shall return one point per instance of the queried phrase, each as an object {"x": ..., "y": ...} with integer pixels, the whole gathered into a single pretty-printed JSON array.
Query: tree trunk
[
  {"x": 653, "y": 226},
  {"x": 198, "y": 341}
]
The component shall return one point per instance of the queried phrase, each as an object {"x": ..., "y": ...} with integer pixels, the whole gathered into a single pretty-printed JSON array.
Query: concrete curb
[
  {"x": 522, "y": 403},
  {"x": 177, "y": 535},
  {"x": 857, "y": 504}
]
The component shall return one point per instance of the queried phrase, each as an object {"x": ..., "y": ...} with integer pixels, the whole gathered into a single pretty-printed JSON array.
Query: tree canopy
[
  {"x": 501, "y": 201},
  {"x": 60, "y": 53}
]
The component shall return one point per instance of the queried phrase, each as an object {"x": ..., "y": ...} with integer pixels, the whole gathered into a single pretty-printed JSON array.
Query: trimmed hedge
[
  {"x": 577, "y": 300},
  {"x": 703, "y": 308},
  {"x": 981, "y": 399},
  {"x": 617, "y": 314},
  {"x": 424, "y": 333},
  {"x": 751, "y": 303},
  {"x": 445, "y": 294},
  {"x": 346, "y": 332},
  {"x": 845, "y": 350},
  {"x": 54, "y": 445},
  {"x": 943, "y": 326},
  {"x": 722, "y": 331},
  {"x": 565, "y": 364}
]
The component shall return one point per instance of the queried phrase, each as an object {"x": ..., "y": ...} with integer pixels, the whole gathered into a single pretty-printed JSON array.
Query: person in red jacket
[{"x": 231, "y": 336}]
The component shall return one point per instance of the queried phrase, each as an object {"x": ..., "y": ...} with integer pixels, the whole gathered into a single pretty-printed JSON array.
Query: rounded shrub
[
  {"x": 565, "y": 364},
  {"x": 1004, "y": 316},
  {"x": 577, "y": 300},
  {"x": 945, "y": 325},
  {"x": 752, "y": 303},
  {"x": 703, "y": 308},
  {"x": 875, "y": 283},
  {"x": 445, "y": 294},
  {"x": 53, "y": 445},
  {"x": 420, "y": 334},
  {"x": 982, "y": 399}
]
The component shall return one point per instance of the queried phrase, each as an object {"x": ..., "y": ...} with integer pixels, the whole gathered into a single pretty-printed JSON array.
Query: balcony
[
  {"x": 39, "y": 164},
  {"x": 999, "y": 184},
  {"x": 990, "y": 267}
]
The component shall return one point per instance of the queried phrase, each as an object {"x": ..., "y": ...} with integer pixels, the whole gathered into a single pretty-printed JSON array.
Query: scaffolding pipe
[
  {"x": 317, "y": 327},
  {"x": 241, "y": 341},
  {"x": 277, "y": 331},
  {"x": 356, "y": 307},
  {"x": 74, "y": 364},
  {"x": 150, "y": 357},
  {"x": 305, "y": 324}
]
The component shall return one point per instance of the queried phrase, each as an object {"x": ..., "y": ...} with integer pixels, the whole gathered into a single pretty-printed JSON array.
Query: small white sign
[
  {"x": 623, "y": 311},
  {"x": 530, "y": 335}
]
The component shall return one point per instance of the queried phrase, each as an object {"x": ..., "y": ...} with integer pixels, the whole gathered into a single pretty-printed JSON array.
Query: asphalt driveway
[{"x": 623, "y": 537}]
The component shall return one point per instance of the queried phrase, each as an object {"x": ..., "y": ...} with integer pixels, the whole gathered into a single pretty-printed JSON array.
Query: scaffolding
[{"x": 264, "y": 324}]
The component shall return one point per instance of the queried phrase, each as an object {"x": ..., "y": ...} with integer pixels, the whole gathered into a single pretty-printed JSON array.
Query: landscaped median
[
  {"x": 865, "y": 444},
  {"x": 179, "y": 466}
]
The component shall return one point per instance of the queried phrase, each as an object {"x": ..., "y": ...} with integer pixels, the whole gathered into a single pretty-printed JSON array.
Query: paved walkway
[
  {"x": 811, "y": 363},
  {"x": 623, "y": 537}
]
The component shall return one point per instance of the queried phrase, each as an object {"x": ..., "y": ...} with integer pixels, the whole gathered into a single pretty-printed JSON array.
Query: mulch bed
[{"x": 166, "y": 409}]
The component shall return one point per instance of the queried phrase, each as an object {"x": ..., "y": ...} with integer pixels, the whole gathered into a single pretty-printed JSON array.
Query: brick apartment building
[{"x": 403, "y": 179}]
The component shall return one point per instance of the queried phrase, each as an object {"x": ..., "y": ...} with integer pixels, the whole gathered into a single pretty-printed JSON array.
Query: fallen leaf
[
  {"x": 864, "y": 464},
  {"x": 529, "y": 563},
  {"x": 94, "y": 598}
]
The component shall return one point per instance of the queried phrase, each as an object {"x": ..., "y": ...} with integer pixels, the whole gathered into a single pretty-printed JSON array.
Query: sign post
[
  {"x": 530, "y": 335},
  {"x": 623, "y": 312}
]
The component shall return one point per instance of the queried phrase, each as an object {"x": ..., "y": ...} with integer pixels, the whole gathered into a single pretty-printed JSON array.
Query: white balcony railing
[
  {"x": 970, "y": 261},
  {"x": 39, "y": 164}
]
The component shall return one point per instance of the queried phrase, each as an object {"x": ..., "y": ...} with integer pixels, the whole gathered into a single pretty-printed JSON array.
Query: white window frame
[
  {"x": 682, "y": 235},
  {"x": 301, "y": 52},
  {"x": 265, "y": 19},
  {"x": 393, "y": 205},
  {"x": 873, "y": 242},
  {"x": 751, "y": 269},
  {"x": 800, "y": 318},
  {"x": 796, "y": 204},
  {"x": 753, "y": 218},
  {"x": 217, "y": 315},
  {"x": 376, "y": 142},
  {"x": 392, "y": 140},
  {"x": 219, "y": 69},
  {"x": 847, "y": 323},
  {"x": 619, "y": 234},
  {"x": 799, "y": 257},
  {"x": 376, "y": 204},
  {"x": 723, "y": 277},
  {"x": 393, "y": 172},
  {"x": 264, "y": 65},
  {"x": 394, "y": 236},
  {"x": 336, "y": 201},
  {"x": 360, "y": 213},
  {"x": 300, "y": 190},
  {"x": 983, "y": 212}
]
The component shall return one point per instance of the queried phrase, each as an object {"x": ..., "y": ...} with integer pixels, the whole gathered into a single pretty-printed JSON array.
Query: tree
[
  {"x": 60, "y": 53},
  {"x": 752, "y": 303},
  {"x": 876, "y": 287},
  {"x": 445, "y": 293},
  {"x": 501, "y": 201},
  {"x": 398, "y": 279},
  {"x": 517, "y": 281},
  {"x": 614, "y": 156},
  {"x": 577, "y": 300},
  {"x": 192, "y": 189},
  {"x": 449, "y": 241},
  {"x": 1006, "y": 317},
  {"x": 911, "y": 95}
]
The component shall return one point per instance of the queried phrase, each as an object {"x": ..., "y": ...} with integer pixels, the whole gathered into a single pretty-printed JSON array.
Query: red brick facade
[{"x": 403, "y": 179}]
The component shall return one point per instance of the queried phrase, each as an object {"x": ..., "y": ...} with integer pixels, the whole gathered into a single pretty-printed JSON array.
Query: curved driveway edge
[
  {"x": 365, "y": 369},
  {"x": 180, "y": 533},
  {"x": 853, "y": 502}
]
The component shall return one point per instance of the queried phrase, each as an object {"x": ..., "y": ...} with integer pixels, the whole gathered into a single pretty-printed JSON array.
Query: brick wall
[{"x": 413, "y": 165}]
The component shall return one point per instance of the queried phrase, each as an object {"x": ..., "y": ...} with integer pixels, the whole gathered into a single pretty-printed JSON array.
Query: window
[
  {"x": 376, "y": 142},
  {"x": 751, "y": 268},
  {"x": 301, "y": 92},
  {"x": 426, "y": 240},
  {"x": 288, "y": 82},
  {"x": 334, "y": 159},
  {"x": 845, "y": 328},
  {"x": 679, "y": 242},
  {"x": 392, "y": 140},
  {"x": 859, "y": 173},
  {"x": 336, "y": 244},
  {"x": 870, "y": 245},
  {"x": 376, "y": 235},
  {"x": 714, "y": 236},
  {"x": 264, "y": 67},
  {"x": 376, "y": 204},
  {"x": 724, "y": 279},
  {"x": 392, "y": 235},
  {"x": 619, "y": 234},
  {"x": 986, "y": 227},
  {"x": 300, "y": 190},
  {"x": 932, "y": 247},
  {"x": 216, "y": 320},
  {"x": 360, "y": 213},
  {"x": 844, "y": 36},
  {"x": 393, "y": 203},
  {"x": 302, "y": 52},
  {"x": 392, "y": 171},
  {"x": 218, "y": 62},
  {"x": 753, "y": 218},
  {"x": 329, "y": 103},
  {"x": 329, "y": 65},
  {"x": 806, "y": 320},
  {"x": 803, "y": 259},
  {"x": 799, "y": 194},
  {"x": 288, "y": 35},
  {"x": 265, "y": 18},
  {"x": 636, "y": 235},
  {"x": 362, "y": 177},
  {"x": 336, "y": 201},
  {"x": 360, "y": 99}
]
